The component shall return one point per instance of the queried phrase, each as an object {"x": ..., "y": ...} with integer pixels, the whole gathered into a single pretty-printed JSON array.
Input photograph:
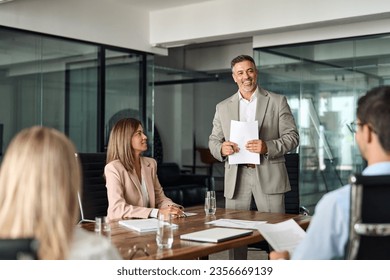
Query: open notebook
[{"x": 216, "y": 234}]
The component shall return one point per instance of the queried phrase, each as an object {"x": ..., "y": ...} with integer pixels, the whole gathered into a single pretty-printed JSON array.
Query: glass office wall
[
  {"x": 322, "y": 82},
  {"x": 75, "y": 87},
  {"x": 127, "y": 93},
  {"x": 82, "y": 93}
]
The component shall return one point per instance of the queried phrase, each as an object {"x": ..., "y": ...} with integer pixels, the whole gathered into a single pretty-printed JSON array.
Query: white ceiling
[
  {"x": 153, "y": 5},
  {"x": 149, "y": 5}
]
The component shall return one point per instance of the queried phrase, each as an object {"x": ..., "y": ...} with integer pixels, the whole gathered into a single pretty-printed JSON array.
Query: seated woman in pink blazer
[{"x": 133, "y": 188}]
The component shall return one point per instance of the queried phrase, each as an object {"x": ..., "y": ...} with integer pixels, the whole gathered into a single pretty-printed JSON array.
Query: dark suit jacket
[{"x": 276, "y": 127}]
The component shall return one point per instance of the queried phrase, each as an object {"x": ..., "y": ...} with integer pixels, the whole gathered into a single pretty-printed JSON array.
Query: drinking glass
[
  {"x": 210, "y": 203},
  {"x": 102, "y": 226},
  {"x": 164, "y": 235}
]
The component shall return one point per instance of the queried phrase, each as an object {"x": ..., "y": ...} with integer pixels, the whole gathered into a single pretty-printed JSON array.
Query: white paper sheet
[
  {"x": 235, "y": 223},
  {"x": 241, "y": 133},
  {"x": 142, "y": 225},
  {"x": 284, "y": 236}
]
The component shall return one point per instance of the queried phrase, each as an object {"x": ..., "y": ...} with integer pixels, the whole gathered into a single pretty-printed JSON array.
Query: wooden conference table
[{"x": 125, "y": 239}]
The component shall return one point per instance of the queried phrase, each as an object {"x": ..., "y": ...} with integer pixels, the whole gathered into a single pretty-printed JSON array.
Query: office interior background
[{"x": 79, "y": 66}]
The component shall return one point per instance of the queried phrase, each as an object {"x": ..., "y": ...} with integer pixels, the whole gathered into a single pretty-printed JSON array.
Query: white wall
[
  {"x": 322, "y": 33},
  {"x": 124, "y": 24},
  {"x": 222, "y": 19},
  {"x": 107, "y": 22}
]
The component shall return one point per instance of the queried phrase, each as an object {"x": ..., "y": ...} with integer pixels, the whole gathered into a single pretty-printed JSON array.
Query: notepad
[
  {"x": 235, "y": 223},
  {"x": 215, "y": 235},
  {"x": 142, "y": 225}
]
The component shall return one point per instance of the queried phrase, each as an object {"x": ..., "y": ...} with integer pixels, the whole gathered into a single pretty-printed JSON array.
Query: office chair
[
  {"x": 291, "y": 199},
  {"x": 19, "y": 249},
  {"x": 93, "y": 200},
  {"x": 369, "y": 229}
]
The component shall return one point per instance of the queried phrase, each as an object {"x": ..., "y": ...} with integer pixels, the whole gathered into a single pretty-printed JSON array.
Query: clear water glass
[
  {"x": 210, "y": 203},
  {"x": 102, "y": 226},
  {"x": 164, "y": 235}
]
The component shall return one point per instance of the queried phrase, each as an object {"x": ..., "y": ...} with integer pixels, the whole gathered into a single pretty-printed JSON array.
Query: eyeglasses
[
  {"x": 353, "y": 126},
  {"x": 136, "y": 248}
]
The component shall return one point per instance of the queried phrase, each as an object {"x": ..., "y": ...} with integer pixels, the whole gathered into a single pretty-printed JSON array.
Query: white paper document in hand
[
  {"x": 241, "y": 133},
  {"x": 284, "y": 236}
]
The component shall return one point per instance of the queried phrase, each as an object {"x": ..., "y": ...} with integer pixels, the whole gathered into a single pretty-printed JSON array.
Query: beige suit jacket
[
  {"x": 276, "y": 127},
  {"x": 124, "y": 190}
]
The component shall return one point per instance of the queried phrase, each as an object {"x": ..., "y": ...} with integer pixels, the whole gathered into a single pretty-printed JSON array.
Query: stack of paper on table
[
  {"x": 142, "y": 225},
  {"x": 284, "y": 236},
  {"x": 235, "y": 223},
  {"x": 215, "y": 235}
]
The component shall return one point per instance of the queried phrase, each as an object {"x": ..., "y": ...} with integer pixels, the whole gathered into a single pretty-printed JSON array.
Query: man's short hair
[
  {"x": 241, "y": 58},
  {"x": 374, "y": 110}
]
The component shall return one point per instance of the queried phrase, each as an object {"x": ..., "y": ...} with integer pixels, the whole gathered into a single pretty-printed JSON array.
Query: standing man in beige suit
[{"x": 268, "y": 181}]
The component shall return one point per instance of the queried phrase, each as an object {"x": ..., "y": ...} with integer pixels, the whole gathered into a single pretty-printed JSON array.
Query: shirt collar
[
  {"x": 254, "y": 95},
  {"x": 377, "y": 169}
]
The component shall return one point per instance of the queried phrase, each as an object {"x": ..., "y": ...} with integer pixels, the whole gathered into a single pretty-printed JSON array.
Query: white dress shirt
[{"x": 248, "y": 107}]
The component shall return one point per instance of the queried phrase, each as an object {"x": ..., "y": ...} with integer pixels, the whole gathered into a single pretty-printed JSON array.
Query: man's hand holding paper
[
  {"x": 228, "y": 148},
  {"x": 241, "y": 133}
]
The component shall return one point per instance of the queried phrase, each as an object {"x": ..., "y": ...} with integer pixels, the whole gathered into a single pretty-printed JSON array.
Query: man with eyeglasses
[{"x": 327, "y": 234}]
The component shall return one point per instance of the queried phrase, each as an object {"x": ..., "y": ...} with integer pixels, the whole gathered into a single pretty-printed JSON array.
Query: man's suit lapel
[
  {"x": 233, "y": 111},
  {"x": 262, "y": 104}
]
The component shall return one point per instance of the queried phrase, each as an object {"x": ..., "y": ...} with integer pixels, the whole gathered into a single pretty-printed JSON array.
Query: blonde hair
[
  {"x": 39, "y": 181},
  {"x": 119, "y": 145}
]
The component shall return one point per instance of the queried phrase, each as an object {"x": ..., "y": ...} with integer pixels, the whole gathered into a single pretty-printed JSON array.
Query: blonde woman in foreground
[{"x": 39, "y": 181}]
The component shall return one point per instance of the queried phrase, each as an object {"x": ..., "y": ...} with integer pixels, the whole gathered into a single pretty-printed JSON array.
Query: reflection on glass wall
[
  {"x": 82, "y": 100},
  {"x": 323, "y": 82},
  {"x": 128, "y": 95},
  {"x": 64, "y": 84}
]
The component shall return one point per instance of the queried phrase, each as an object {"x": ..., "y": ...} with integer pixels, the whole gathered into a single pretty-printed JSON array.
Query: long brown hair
[
  {"x": 39, "y": 181},
  {"x": 119, "y": 144}
]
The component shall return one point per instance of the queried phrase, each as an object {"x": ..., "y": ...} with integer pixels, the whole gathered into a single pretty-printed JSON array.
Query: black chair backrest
[
  {"x": 18, "y": 249},
  {"x": 94, "y": 200},
  {"x": 369, "y": 235},
  {"x": 168, "y": 173},
  {"x": 291, "y": 198}
]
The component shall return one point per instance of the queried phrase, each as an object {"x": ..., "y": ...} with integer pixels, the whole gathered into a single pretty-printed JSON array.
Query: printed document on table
[
  {"x": 241, "y": 133},
  {"x": 142, "y": 225},
  {"x": 284, "y": 236},
  {"x": 235, "y": 223}
]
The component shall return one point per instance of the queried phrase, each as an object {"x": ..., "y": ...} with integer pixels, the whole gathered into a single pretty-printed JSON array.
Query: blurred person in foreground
[
  {"x": 328, "y": 232},
  {"x": 39, "y": 182},
  {"x": 133, "y": 188}
]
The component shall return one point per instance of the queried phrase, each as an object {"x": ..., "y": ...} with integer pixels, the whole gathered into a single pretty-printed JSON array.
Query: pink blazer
[{"x": 124, "y": 190}]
